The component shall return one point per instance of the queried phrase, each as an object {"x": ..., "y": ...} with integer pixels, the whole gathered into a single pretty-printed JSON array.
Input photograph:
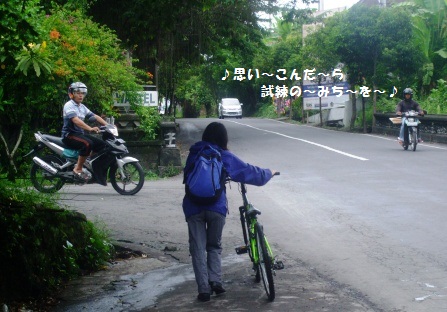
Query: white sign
[
  {"x": 331, "y": 95},
  {"x": 148, "y": 98}
]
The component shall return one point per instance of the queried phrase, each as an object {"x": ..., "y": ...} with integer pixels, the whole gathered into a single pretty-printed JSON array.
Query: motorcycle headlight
[{"x": 113, "y": 130}]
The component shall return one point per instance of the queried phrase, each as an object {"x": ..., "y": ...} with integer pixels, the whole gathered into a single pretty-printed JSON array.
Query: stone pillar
[
  {"x": 169, "y": 153},
  {"x": 168, "y": 131}
]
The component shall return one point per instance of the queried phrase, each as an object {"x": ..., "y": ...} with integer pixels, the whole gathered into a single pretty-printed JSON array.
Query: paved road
[{"x": 357, "y": 221}]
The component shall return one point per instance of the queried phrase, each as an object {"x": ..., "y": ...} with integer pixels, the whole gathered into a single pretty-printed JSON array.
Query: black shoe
[
  {"x": 204, "y": 297},
  {"x": 217, "y": 288}
]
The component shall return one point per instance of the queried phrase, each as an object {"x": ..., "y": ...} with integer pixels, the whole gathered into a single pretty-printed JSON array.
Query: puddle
[{"x": 134, "y": 292}]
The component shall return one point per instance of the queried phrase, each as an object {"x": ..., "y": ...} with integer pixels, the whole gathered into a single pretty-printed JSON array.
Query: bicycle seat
[{"x": 252, "y": 211}]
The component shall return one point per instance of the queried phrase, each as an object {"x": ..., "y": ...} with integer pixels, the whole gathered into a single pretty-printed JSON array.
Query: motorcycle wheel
[
  {"x": 132, "y": 181},
  {"x": 414, "y": 138},
  {"x": 406, "y": 142},
  {"x": 405, "y": 145},
  {"x": 42, "y": 180}
]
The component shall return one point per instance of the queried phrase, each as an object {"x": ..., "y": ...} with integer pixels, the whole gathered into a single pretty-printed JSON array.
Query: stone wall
[
  {"x": 147, "y": 152},
  {"x": 156, "y": 155},
  {"x": 433, "y": 128}
]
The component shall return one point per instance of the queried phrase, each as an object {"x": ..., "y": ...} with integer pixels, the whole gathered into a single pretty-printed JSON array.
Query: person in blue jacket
[{"x": 206, "y": 222}]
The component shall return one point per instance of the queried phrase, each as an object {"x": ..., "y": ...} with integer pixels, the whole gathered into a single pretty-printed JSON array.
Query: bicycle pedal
[
  {"x": 241, "y": 250},
  {"x": 278, "y": 265}
]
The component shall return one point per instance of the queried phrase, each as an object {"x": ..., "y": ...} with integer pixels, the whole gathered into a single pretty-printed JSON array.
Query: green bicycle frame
[
  {"x": 248, "y": 227},
  {"x": 257, "y": 246},
  {"x": 253, "y": 244}
]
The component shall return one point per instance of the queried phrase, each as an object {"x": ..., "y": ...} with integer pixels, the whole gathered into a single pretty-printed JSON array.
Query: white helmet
[{"x": 76, "y": 87}]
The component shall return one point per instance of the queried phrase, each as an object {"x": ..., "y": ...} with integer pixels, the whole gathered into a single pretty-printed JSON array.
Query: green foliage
[
  {"x": 373, "y": 42},
  {"x": 429, "y": 24},
  {"x": 151, "y": 175},
  {"x": 297, "y": 109},
  {"x": 170, "y": 171},
  {"x": 386, "y": 104},
  {"x": 190, "y": 47},
  {"x": 42, "y": 56},
  {"x": 435, "y": 102},
  {"x": 33, "y": 56},
  {"x": 17, "y": 28},
  {"x": 44, "y": 245},
  {"x": 82, "y": 50},
  {"x": 266, "y": 110},
  {"x": 375, "y": 45},
  {"x": 319, "y": 51},
  {"x": 2, "y": 102},
  {"x": 282, "y": 51},
  {"x": 194, "y": 93},
  {"x": 149, "y": 121}
]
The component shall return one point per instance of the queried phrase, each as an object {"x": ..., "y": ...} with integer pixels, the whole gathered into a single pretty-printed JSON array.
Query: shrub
[
  {"x": 266, "y": 110},
  {"x": 435, "y": 103},
  {"x": 149, "y": 121},
  {"x": 43, "y": 244}
]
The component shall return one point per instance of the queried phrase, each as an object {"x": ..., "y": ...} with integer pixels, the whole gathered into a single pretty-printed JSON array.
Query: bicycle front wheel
[{"x": 265, "y": 263}]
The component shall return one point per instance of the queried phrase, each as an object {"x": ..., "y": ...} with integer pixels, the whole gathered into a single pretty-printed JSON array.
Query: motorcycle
[
  {"x": 52, "y": 170},
  {"x": 411, "y": 123}
]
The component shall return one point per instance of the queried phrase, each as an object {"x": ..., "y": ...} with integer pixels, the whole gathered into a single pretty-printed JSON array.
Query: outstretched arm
[
  {"x": 100, "y": 120},
  {"x": 240, "y": 171},
  {"x": 78, "y": 122}
]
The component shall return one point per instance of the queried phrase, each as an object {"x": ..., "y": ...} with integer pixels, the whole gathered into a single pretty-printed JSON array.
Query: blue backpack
[{"x": 204, "y": 178}]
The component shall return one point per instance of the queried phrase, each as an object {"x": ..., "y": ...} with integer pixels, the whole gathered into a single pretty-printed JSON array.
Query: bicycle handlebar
[
  {"x": 274, "y": 174},
  {"x": 244, "y": 188}
]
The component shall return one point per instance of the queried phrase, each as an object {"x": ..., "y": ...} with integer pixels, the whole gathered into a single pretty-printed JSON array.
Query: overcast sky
[
  {"x": 328, "y": 4},
  {"x": 331, "y": 4}
]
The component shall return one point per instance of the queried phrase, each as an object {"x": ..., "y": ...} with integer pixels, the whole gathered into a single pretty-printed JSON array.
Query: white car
[{"x": 230, "y": 107}]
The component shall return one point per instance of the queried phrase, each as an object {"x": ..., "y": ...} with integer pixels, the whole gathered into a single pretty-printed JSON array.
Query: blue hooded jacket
[{"x": 238, "y": 170}]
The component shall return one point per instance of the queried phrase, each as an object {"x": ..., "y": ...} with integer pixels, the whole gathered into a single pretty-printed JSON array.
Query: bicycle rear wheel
[{"x": 265, "y": 264}]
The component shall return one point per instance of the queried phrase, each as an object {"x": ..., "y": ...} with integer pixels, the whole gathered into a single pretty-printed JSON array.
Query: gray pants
[{"x": 205, "y": 235}]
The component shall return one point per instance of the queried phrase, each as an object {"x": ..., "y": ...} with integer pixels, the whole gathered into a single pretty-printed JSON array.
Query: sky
[
  {"x": 327, "y": 5},
  {"x": 331, "y": 4}
]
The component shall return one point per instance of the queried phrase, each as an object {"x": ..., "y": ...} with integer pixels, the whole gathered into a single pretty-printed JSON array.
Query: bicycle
[{"x": 257, "y": 246}]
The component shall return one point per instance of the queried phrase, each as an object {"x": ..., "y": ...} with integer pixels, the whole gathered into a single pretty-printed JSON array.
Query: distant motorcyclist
[
  {"x": 73, "y": 129},
  {"x": 406, "y": 105}
]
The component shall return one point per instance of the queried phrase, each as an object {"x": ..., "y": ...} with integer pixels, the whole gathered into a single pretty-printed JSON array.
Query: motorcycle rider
[
  {"x": 73, "y": 135},
  {"x": 406, "y": 105}
]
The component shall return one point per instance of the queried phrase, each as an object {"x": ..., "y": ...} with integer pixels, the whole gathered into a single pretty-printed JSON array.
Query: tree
[
  {"x": 42, "y": 59},
  {"x": 373, "y": 42},
  {"x": 17, "y": 29},
  {"x": 182, "y": 36},
  {"x": 319, "y": 53},
  {"x": 429, "y": 19}
]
